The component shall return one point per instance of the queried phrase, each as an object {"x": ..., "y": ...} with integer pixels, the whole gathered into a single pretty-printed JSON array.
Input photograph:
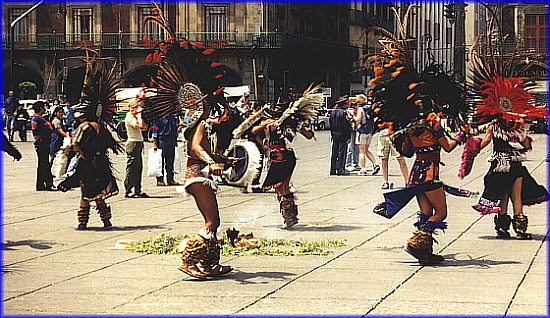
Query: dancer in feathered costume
[
  {"x": 92, "y": 141},
  {"x": 280, "y": 125},
  {"x": 408, "y": 103},
  {"x": 503, "y": 101},
  {"x": 188, "y": 86}
]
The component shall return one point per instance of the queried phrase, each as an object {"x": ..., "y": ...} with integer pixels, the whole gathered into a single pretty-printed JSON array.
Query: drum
[{"x": 247, "y": 167}]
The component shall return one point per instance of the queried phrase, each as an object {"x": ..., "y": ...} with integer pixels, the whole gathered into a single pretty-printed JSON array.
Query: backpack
[{"x": 366, "y": 126}]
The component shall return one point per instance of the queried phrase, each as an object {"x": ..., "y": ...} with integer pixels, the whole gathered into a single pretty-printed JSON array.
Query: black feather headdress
[
  {"x": 99, "y": 87},
  {"x": 187, "y": 78},
  {"x": 400, "y": 93}
]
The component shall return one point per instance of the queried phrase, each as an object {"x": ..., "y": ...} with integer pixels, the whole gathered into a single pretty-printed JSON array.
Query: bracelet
[
  {"x": 205, "y": 157},
  {"x": 459, "y": 138}
]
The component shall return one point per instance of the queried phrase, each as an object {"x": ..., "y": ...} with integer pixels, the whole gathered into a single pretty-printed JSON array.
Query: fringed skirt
[
  {"x": 497, "y": 184},
  {"x": 94, "y": 177},
  {"x": 280, "y": 166}
]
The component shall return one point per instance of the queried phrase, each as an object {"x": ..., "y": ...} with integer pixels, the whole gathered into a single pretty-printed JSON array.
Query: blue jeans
[
  {"x": 352, "y": 158},
  {"x": 168, "y": 147},
  {"x": 10, "y": 126}
]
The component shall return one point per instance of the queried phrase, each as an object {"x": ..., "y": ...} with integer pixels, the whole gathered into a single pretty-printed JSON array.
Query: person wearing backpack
[{"x": 365, "y": 130}]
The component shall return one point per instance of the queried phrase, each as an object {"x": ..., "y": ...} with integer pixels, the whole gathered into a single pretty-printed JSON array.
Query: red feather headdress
[{"x": 507, "y": 97}]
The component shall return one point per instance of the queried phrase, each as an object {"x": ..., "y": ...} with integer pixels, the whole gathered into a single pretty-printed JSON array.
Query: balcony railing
[
  {"x": 57, "y": 41},
  {"x": 123, "y": 41}
]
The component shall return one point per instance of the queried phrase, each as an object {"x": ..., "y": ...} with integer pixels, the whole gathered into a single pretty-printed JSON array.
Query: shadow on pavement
[
  {"x": 246, "y": 277},
  {"x": 123, "y": 228},
  {"x": 310, "y": 228},
  {"x": 534, "y": 237},
  {"x": 480, "y": 262},
  {"x": 40, "y": 245}
]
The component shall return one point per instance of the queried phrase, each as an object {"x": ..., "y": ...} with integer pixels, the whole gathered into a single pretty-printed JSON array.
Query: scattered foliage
[{"x": 168, "y": 244}]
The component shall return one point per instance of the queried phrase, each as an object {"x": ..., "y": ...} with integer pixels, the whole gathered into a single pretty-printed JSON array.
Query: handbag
[
  {"x": 177, "y": 160},
  {"x": 154, "y": 163}
]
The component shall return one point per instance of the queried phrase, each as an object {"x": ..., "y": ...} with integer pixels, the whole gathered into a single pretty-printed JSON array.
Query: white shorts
[
  {"x": 386, "y": 148},
  {"x": 363, "y": 139}
]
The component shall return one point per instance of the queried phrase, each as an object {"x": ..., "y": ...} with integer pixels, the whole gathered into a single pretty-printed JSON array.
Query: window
[
  {"x": 21, "y": 29},
  {"x": 536, "y": 37},
  {"x": 83, "y": 22},
  {"x": 150, "y": 29},
  {"x": 216, "y": 22}
]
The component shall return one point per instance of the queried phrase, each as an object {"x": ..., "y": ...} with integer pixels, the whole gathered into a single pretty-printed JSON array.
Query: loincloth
[{"x": 196, "y": 174}]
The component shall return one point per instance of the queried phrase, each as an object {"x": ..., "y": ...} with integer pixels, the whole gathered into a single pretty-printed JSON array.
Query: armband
[
  {"x": 459, "y": 138},
  {"x": 205, "y": 157}
]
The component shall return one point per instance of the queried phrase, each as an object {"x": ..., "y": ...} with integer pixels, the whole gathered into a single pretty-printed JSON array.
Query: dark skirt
[
  {"x": 497, "y": 184},
  {"x": 94, "y": 177},
  {"x": 280, "y": 166}
]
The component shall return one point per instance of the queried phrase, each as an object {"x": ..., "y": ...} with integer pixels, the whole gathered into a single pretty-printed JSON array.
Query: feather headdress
[
  {"x": 187, "y": 78},
  {"x": 250, "y": 121},
  {"x": 401, "y": 93},
  {"x": 501, "y": 79},
  {"x": 99, "y": 86},
  {"x": 306, "y": 108}
]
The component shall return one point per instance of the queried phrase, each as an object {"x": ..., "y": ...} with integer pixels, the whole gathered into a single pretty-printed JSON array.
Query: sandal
[
  {"x": 385, "y": 185},
  {"x": 193, "y": 271},
  {"x": 219, "y": 270},
  {"x": 142, "y": 195},
  {"x": 131, "y": 195}
]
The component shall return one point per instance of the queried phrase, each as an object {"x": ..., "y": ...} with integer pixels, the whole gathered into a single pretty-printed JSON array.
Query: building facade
[{"x": 275, "y": 48}]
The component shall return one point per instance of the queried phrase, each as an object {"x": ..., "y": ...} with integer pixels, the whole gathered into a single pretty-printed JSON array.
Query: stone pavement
[{"x": 51, "y": 269}]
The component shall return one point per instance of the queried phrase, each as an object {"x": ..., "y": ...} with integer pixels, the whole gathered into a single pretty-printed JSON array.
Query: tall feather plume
[
  {"x": 401, "y": 93},
  {"x": 250, "y": 121},
  {"x": 493, "y": 69},
  {"x": 186, "y": 80},
  {"x": 306, "y": 106},
  {"x": 100, "y": 84}
]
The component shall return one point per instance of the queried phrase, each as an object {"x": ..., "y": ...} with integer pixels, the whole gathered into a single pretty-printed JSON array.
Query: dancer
[
  {"x": 182, "y": 68},
  {"x": 93, "y": 172},
  {"x": 507, "y": 178},
  {"x": 405, "y": 102},
  {"x": 282, "y": 123},
  {"x": 503, "y": 101}
]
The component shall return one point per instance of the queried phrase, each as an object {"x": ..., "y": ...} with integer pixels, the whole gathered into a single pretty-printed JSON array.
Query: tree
[{"x": 28, "y": 90}]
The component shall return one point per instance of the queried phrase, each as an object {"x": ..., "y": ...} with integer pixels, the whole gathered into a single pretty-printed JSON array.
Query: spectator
[
  {"x": 10, "y": 107},
  {"x": 68, "y": 117},
  {"x": 42, "y": 131},
  {"x": 22, "y": 117},
  {"x": 165, "y": 134},
  {"x": 134, "y": 148},
  {"x": 58, "y": 133},
  {"x": 384, "y": 150},
  {"x": 352, "y": 160},
  {"x": 340, "y": 129},
  {"x": 365, "y": 132}
]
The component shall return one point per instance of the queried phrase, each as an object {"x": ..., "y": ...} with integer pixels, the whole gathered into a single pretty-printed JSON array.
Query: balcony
[{"x": 125, "y": 41}]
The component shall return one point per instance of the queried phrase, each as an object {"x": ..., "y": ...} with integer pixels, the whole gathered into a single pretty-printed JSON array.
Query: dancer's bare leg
[{"x": 208, "y": 205}]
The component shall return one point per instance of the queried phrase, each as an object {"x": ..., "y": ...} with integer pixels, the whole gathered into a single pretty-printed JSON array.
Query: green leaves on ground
[{"x": 168, "y": 244}]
